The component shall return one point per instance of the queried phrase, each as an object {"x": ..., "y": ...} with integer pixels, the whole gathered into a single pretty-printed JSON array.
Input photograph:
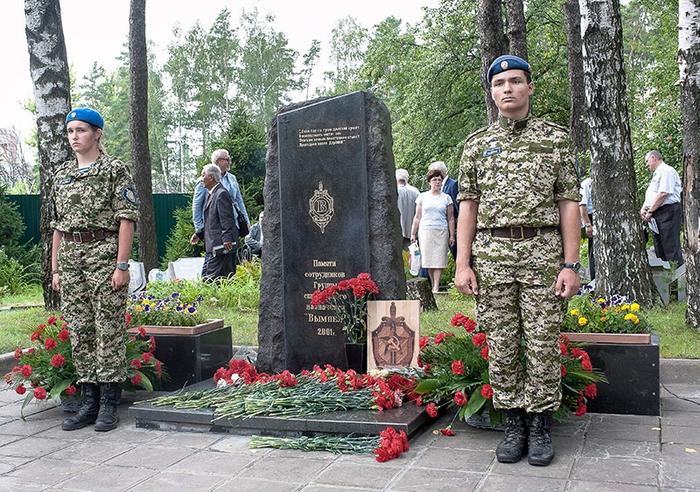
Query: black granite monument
[{"x": 330, "y": 210}]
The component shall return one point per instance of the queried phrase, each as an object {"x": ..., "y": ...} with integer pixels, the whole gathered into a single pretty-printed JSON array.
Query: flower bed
[
  {"x": 145, "y": 309},
  {"x": 46, "y": 370},
  {"x": 456, "y": 374},
  {"x": 589, "y": 314}
]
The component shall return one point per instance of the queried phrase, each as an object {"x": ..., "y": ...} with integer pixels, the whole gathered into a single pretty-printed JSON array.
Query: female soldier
[{"x": 96, "y": 208}]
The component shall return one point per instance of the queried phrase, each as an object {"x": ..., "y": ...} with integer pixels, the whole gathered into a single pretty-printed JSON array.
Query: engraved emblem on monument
[
  {"x": 393, "y": 341},
  {"x": 321, "y": 207}
]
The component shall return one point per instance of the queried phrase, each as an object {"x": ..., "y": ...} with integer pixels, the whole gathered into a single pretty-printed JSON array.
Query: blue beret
[
  {"x": 87, "y": 115},
  {"x": 506, "y": 62}
]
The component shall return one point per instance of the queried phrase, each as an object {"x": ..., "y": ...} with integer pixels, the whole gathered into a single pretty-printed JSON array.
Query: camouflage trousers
[
  {"x": 94, "y": 312},
  {"x": 521, "y": 315}
]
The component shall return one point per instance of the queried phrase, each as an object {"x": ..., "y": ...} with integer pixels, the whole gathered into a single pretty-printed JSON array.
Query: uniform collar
[{"x": 513, "y": 125}]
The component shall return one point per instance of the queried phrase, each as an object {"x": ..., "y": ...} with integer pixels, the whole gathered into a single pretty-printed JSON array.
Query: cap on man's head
[
  {"x": 88, "y": 115},
  {"x": 506, "y": 62}
]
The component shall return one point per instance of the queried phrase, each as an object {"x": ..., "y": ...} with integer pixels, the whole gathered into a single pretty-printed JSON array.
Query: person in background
[
  {"x": 219, "y": 229},
  {"x": 585, "y": 208},
  {"x": 434, "y": 227},
  {"x": 96, "y": 209},
  {"x": 254, "y": 240},
  {"x": 450, "y": 187},
  {"x": 662, "y": 204},
  {"x": 222, "y": 159},
  {"x": 407, "y": 195}
]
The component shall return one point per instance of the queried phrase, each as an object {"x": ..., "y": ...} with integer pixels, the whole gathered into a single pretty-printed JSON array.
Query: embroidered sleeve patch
[
  {"x": 130, "y": 196},
  {"x": 492, "y": 151}
]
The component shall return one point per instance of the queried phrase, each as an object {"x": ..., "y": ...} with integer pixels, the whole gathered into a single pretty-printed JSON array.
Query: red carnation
[
  {"x": 581, "y": 410},
  {"x": 35, "y": 336},
  {"x": 586, "y": 363},
  {"x": 18, "y": 353},
  {"x": 50, "y": 344},
  {"x": 564, "y": 349},
  {"x": 484, "y": 352},
  {"x": 487, "y": 391},
  {"x": 51, "y": 320},
  {"x": 479, "y": 339},
  {"x": 142, "y": 331},
  {"x": 423, "y": 342},
  {"x": 39, "y": 393},
  {"x": 63, "y": 335},
  {"x": 591, "y": 390},
  {"x": 146, "y": 357},
  {"x": 457, "y": 367},
  {"x": 432, "y": 409},
  {"x": 58, "y": 360},
  {"x": 563, "y": 371},
  {"x": 71, "y": 390},
  {"x": 439, "y": 338},
  {"x": 460, "y": 399},
  {"x": 419, "y": 401},
  {"x": 136, "y": 379},
  {"x": 152, "y": 344},
  {"x": 136, "y": 364},
  {"x": 21, "y": 389},
  {"x": 127, "y": 318},
  {"x": 26, "y": 370},
  {"x": 447, "y": 431}
]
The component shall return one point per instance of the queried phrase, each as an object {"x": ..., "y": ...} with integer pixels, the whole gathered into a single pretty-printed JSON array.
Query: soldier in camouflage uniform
[
  {"x": 518, "y": 245},
  {"x": 96, "y": 208}
]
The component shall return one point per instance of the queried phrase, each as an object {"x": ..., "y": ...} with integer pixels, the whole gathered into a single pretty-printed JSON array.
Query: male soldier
[{"x": 518, "y": 250}]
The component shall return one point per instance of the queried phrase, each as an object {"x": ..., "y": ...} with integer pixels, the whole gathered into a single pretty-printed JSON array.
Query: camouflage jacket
[
  {"x": 517, "y": 171},
  {"x": 97, "y": 197}
]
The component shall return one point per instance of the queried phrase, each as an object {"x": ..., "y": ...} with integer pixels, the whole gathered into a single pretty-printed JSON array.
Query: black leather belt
[
  {"x": 88, "y": 236},
  {"x": 518, "y": 233}
]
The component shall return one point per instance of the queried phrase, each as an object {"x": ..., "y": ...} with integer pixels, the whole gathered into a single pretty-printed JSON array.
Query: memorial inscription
[{"x": 324, "y": 223}]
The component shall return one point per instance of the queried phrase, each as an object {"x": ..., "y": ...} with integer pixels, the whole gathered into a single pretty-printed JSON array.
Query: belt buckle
[
  {"x": 77, "y": 237},
  {"x": 522, "y": 233}
]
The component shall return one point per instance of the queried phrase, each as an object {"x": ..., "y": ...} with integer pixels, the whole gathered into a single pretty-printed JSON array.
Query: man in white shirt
[
  {"x": 586, "y": 211},
  {"x": 662, "y": 205},
  {"x": 407, "y": 195}
]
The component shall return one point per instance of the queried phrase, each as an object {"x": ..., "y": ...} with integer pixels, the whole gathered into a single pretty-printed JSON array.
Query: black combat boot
[
  {"x": 108, "y": 418},
  {"x": 88, "y": 410},
  {"x": 514, "y": 444},
  {"x": 541, "y": 451}
]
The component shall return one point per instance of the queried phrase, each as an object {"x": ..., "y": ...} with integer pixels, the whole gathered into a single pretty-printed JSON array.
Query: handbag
[
  {"x": 243, "y": 229},
  {"x": 414, "y": 259}
]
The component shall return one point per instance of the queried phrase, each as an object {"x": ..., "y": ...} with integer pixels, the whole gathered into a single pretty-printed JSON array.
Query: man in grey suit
[{"x": 219, "y": 232}]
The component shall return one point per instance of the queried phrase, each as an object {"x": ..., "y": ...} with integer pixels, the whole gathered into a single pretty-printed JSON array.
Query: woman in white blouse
[{"x": 434, "y": 227}]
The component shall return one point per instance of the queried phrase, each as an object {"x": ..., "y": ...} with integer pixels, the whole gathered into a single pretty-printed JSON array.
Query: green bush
[
  {"x": 242, "y": 292},
  {"x": 178, "y": 243},
  {"x": 11, "y": 226},
  {"x": 14, "y": 277}
]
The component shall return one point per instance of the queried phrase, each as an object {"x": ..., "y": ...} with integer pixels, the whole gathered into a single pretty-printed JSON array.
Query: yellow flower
[
  {"x": 632, "y": 317},
  {"x": 574, "y": 312},
  {"x": 634, "y": 307},
  {"x": 603, "y": 318},
  {"x": 138, "y": 309},
  {"x": 582, "y": 321},
  {"x": 601, "y": 300},
  {"x": 624, "y": 307}
]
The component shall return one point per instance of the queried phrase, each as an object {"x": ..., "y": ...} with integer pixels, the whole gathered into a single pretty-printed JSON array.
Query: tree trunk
[
  {"x": 48, "y": 66},
  {"x": 689, "y": 61},
  {"x": 577, "y": 122},
  {"x": 517, "y": 30},
  {"x": 492, "y": 44},
  {"x": 138, "y": 109},
  {"x": 621, "y": 261}
]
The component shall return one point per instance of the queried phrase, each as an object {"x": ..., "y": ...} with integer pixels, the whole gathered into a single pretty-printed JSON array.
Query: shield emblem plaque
[{"x": 394, "y": 332}]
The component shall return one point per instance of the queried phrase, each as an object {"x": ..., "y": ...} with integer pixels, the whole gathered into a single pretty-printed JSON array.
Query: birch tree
[
  {"x": 689, "y": 65},
  {"x": 577, "y": 123},
  {"x": 48, "y": 66},
  {"x": 517, "y": 30},
  {"x": 138, "y": 129},
  {"x": 621, "y": 261}
]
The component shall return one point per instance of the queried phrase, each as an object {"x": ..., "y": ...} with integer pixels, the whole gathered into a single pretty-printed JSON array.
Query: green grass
[
  {"x": 32, "y": 295},
  {"x": 677, "y": 340}
]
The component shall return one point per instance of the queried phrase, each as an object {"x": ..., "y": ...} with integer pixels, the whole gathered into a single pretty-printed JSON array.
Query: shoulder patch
[{"x": 130, "y": 196}]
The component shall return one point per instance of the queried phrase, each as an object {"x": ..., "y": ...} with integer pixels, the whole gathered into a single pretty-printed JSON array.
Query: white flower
[{"x": 221, "y": 383}]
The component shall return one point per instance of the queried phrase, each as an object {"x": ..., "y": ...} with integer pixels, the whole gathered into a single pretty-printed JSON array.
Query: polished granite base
[{"x": 409, "y": 418}]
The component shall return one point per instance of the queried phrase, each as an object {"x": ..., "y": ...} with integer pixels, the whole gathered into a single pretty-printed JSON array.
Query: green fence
[{"x": 164, "y": 204}]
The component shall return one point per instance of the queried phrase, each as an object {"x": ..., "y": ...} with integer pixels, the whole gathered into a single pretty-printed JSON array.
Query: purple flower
[
  {"x": 175, "y": 295},
  {"x": 191, "y": 309}
]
